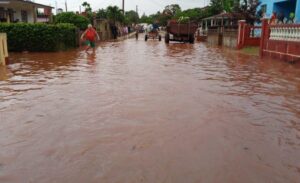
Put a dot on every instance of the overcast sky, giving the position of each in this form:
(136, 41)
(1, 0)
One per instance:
(147, 6)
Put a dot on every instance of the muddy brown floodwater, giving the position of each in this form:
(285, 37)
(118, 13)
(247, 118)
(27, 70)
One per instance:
(147, 112)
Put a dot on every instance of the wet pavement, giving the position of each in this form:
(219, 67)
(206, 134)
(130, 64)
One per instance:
(147, 112)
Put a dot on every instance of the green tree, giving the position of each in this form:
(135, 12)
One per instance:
(168, 13)
(195, 14)
(101, 13)
(131, 17)
(87, 6)
(228, 5)
(69, 17)
(216, 7)
(174, 12)
(163, 18)
(146, 19)
(88, 10)
(172, 9)
(248, 8)
(115, 14)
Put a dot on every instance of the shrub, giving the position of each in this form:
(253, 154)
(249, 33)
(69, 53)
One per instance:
(69, 17)
(39, 37)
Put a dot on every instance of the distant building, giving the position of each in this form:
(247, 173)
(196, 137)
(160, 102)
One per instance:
(103, 28)
(59, 10)
(281, 6)
(24, 11)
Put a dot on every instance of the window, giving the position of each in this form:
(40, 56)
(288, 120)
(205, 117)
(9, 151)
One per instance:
(2, 12)
(264, 8)
(24, 16)
(2, 15)
(11, 14)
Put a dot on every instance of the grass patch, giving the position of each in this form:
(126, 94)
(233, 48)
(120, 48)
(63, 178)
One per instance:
(251, 50)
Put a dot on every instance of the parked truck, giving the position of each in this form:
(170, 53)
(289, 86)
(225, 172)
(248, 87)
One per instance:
(181, 31)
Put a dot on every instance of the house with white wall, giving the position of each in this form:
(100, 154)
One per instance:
(24, 11)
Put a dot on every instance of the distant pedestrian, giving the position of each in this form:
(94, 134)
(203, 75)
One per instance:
(291, 18)
(129, 29)
(273, 18)
(114, 31)
(125, 30)
(137, 29)
(280, 18)
(90, 35)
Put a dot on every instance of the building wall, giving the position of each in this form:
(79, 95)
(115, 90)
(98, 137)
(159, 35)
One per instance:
(17, 14)
(285, 7)
(222, 37)
(230, 38)
(213, 38)
(298, 11)
(103, 28)
(273, 5)
(30, 8)
(29, 14)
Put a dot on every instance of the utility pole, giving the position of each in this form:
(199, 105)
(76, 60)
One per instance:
(136, 9)
(123, 6)
(66, 6)
(56, 7)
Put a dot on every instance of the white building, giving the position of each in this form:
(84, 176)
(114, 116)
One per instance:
(24, 11)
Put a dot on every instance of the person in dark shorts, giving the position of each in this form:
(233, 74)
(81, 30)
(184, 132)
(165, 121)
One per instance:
(273, 18)
(291, 18)
(90, 35)
(280, 18)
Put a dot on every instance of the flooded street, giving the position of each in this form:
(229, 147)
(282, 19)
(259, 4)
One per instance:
(149, 112)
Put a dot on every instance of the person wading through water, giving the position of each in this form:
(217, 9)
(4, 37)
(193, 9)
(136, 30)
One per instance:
(90, 36)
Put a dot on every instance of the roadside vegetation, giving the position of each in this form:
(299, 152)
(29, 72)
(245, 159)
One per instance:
(247, 8)
(79, 21)
(39, 37)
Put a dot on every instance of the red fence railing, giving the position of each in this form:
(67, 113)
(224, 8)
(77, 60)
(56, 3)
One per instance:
(248, 35)
(280, 41)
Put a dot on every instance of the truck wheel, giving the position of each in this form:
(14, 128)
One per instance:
(159, 37)
(167, 38)
(146, 38)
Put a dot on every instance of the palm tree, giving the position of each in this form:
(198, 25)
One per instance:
(115, 14)
(248, 8)
(87, 7)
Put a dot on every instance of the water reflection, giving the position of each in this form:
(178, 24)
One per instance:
(4, 73)
(91, 57)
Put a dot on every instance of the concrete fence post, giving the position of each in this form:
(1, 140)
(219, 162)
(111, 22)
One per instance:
(265, 33)
(3, 49)
(241, 34)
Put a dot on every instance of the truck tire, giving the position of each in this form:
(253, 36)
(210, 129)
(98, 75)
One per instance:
(167, 38)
